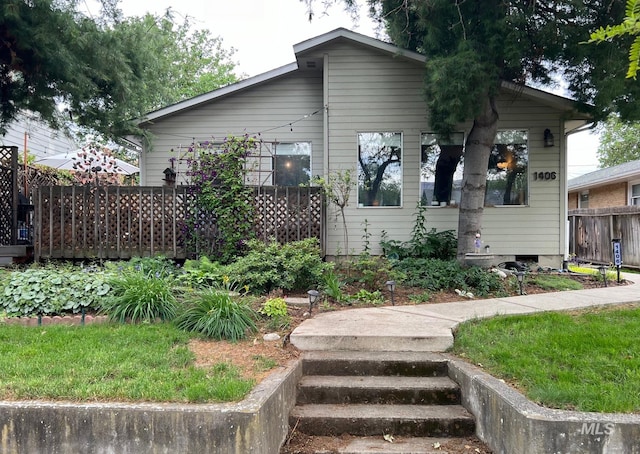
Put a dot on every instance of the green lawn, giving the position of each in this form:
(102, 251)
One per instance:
(587, 361)
(145, 362)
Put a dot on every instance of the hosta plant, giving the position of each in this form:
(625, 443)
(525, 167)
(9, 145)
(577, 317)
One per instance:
(52, 290)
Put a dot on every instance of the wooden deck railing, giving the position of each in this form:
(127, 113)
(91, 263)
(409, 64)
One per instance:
(119, 222)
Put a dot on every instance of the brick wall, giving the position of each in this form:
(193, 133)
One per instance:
(612, 195)
(573, 200)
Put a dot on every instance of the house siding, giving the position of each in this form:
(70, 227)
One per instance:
(370, 91)
(275, 110)
(362, 88)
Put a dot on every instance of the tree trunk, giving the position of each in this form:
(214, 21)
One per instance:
(474, 180)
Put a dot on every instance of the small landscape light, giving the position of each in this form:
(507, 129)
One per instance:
(520, 277)
(391, 286)
(313, 297)
(603, 273)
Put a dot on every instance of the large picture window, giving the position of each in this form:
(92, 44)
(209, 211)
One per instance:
(441, 169)
(507, 175)
(379, 169)
(292, 164)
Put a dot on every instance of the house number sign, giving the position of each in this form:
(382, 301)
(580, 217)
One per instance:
(544, 175)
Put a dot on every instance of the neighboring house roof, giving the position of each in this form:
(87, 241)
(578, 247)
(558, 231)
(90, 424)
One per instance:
(300, 49)
(622, 172)
(42, 140)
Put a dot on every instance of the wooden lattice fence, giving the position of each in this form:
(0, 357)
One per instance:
(119, 222)
(8, 195)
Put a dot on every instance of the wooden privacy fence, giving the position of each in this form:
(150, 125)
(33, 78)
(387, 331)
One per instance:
(592, 230)
(119, 222)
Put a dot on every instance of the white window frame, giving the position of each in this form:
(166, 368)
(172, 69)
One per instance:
(631, 196)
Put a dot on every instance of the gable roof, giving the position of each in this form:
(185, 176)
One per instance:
(308, 45)
(621, 172)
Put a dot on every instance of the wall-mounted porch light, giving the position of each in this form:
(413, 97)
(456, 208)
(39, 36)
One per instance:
(548, 138)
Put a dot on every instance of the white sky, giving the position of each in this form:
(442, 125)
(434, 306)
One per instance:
(263, 33)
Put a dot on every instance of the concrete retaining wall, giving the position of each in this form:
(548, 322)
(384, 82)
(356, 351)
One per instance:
(258, 424)
(509, 423)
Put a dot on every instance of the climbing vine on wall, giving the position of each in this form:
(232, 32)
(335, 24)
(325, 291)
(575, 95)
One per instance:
(222, 218)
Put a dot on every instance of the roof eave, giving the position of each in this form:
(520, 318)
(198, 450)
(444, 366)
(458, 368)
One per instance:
(560, 102)
(338, 33)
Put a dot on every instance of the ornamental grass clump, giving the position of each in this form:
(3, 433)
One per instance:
(218, 313)
(140, 297)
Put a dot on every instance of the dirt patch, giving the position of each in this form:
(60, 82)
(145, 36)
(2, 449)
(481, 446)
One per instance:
(300, 443)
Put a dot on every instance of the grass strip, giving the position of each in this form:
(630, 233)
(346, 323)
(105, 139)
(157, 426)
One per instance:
(145, 362)
(584, 361)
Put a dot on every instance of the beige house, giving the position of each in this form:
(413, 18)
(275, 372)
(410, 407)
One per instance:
(615, 186)
(353, 102)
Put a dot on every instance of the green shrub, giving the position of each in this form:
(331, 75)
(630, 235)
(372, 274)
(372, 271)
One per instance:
(423, 244)
(332, 286)
(432, 274)
(158, 266)
(218, 314)
(275, 309)
(140, 297)
(436, 275)
(292, 266)
(371, 271)
(52, 290)
(366, 297)
(201, 273)
(483, 282)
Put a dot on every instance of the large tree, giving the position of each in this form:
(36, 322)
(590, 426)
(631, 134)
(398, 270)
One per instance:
(619, 142)
(106, 70)
(472, 46)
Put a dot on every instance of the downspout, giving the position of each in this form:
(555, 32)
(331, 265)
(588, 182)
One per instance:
(325, 142)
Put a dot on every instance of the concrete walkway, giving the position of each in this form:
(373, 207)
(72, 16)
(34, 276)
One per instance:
(429, 327)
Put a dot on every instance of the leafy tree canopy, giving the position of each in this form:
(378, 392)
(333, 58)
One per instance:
(629, 26)
(619, 142)
(107, 70)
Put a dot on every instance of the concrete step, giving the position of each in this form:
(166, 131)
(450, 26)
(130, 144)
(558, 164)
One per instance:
(407, 364)
(308, 444)
(370, 420)
(388, 328)
(322, 389)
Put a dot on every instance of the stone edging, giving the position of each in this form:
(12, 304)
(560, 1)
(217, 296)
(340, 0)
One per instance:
(77, 319)
(509, 423)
